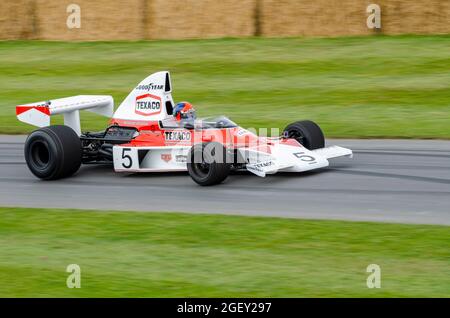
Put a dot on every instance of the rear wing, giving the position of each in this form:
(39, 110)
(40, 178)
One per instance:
(38, 114)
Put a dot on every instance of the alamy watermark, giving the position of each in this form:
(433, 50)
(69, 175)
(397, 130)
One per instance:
(74, 279)
(374, 19)
(74, 19)
(374, 279)
(74, 16)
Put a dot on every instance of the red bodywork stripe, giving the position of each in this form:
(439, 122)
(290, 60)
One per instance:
(42, 109)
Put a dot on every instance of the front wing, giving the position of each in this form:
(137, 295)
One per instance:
(289, 158)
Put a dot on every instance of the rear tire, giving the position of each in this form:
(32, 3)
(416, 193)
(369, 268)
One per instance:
(307, 133)
(53, 152)
(207, 163)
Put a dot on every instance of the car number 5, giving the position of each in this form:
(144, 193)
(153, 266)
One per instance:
(303, 157)
(127, 162)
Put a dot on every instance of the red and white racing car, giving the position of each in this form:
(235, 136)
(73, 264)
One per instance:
(149, 133)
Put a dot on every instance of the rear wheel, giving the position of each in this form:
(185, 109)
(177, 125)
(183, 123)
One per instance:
(207, 163)
(307, 133)
(53, 152)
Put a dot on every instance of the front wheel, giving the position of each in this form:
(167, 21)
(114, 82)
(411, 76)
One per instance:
(53, 152)
(307, 133)
(208, 163)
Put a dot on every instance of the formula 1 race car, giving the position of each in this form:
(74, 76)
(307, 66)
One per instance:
(149, 133)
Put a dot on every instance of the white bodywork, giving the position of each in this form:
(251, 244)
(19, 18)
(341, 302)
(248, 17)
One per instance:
(147, 101)
(150, 159)
(288, 158)
(283, 158)
(38, 114)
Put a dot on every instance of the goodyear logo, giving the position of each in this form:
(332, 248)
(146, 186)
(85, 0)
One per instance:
(149, 87)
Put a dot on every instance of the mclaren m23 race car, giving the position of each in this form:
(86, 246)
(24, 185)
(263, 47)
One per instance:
(149, 133)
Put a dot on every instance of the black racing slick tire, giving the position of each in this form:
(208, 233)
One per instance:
(307, 133)
(53, 152)
(208, 163)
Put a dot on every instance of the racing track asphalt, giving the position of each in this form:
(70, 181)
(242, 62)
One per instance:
(406, 181)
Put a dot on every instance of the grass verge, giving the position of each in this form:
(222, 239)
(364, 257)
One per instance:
(132, 254)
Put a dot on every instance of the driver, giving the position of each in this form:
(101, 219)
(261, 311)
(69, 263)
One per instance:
(184, 112)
